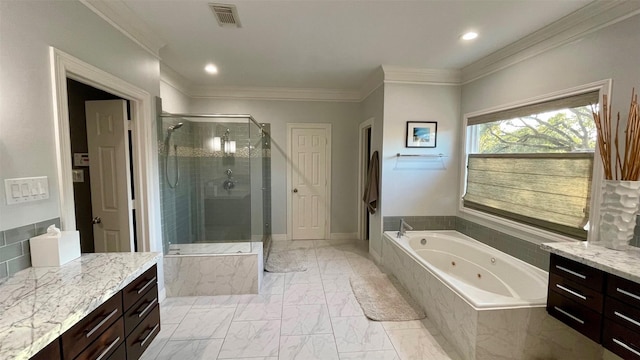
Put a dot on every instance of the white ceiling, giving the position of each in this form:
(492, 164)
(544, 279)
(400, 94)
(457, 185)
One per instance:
(336, 44)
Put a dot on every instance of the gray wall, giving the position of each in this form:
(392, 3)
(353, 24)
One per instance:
(27, 136)
(344, 118)
(373, 107)
(610, 53)
(419, 187)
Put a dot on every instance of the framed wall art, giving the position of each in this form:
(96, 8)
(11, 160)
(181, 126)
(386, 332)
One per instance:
(421, 134)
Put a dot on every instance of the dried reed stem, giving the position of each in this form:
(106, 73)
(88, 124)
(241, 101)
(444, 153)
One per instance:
(627, 166)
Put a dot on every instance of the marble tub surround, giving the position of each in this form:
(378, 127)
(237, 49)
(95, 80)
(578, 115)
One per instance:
(621, 263)
(214, 274)
(37, 305)
(506, 333)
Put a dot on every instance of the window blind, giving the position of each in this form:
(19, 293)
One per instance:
(538, 108)
(550, 191)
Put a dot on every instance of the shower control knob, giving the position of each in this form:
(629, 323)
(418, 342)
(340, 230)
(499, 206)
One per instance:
(96, 220)
(295, 190)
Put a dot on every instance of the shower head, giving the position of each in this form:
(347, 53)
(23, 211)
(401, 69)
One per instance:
(174, 127)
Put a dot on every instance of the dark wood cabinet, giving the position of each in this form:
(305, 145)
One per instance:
(50, 352)
(575, 296)
(89, 329)
(121, 328)
(602, 306)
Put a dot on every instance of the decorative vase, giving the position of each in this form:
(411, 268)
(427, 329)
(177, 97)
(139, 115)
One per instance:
(618, 213)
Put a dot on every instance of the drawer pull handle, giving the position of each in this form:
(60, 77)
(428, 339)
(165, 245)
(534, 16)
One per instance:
(569, 315)
(571, 272)
(626, 346)
(149, 335)
(625, 317)
(106, 318)
(106, 351)
(571, 292)
(628, 293)
(146, 285)
(149, 306)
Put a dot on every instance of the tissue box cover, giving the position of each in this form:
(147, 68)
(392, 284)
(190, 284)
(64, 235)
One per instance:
(54, 250)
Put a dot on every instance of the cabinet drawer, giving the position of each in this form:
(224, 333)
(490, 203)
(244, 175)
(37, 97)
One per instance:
(120, 353)
(50, 352)
(623, 314)
(144, 334)
(106, 344)
(140, 309)
(621, 340)
(579, 317)
(623, 290)
(91, 327)
(576, 292)
(138, 287)
(576, 272)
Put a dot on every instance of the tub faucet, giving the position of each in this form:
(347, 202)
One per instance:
(403, 228)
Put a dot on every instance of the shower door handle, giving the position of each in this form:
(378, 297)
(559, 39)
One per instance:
(295, 190)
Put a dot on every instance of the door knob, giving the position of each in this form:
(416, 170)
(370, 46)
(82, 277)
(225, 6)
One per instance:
(295, 190)
(96, 220)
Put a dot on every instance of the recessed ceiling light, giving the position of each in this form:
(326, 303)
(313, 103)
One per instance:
(469, 36)
(211, 69)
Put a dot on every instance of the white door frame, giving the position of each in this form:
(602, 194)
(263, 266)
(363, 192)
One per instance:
(65, 66)
(327, 130)
(362, 173)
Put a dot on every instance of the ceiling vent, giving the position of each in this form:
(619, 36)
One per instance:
(226, 15)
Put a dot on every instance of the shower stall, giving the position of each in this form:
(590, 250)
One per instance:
(216, 202)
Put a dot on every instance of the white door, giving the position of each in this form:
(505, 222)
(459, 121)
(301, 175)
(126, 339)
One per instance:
(309, 182)
(107, 136)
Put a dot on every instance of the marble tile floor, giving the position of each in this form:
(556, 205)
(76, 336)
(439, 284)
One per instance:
(305, 316)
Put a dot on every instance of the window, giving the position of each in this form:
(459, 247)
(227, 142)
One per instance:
(534, 164)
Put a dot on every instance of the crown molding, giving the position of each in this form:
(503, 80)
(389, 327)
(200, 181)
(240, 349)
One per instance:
(372, 83)
(405, 75)
(180, 83)
(174, 79)
(266, 93)
(590, 18)
(120, 16)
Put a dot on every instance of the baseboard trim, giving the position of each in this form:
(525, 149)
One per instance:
(343, 236)
(278, 237)
(162, 294)
(376, 257)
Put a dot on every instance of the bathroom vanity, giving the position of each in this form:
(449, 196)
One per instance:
(100, 306)
(596, 291)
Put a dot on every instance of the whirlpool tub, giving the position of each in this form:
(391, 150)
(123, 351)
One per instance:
(488, 304)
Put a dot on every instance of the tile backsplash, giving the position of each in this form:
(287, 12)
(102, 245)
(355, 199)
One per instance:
(15, 254)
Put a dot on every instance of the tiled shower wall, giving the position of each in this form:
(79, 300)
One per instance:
(177, 207)
(521, 249)
(193, 211)
(15, 254)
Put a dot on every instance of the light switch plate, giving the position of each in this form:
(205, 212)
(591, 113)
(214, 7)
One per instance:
(21, 190)
(78, 175)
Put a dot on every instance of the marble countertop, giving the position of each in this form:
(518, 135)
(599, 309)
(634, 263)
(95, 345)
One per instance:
(625, 264)
(37, 305)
